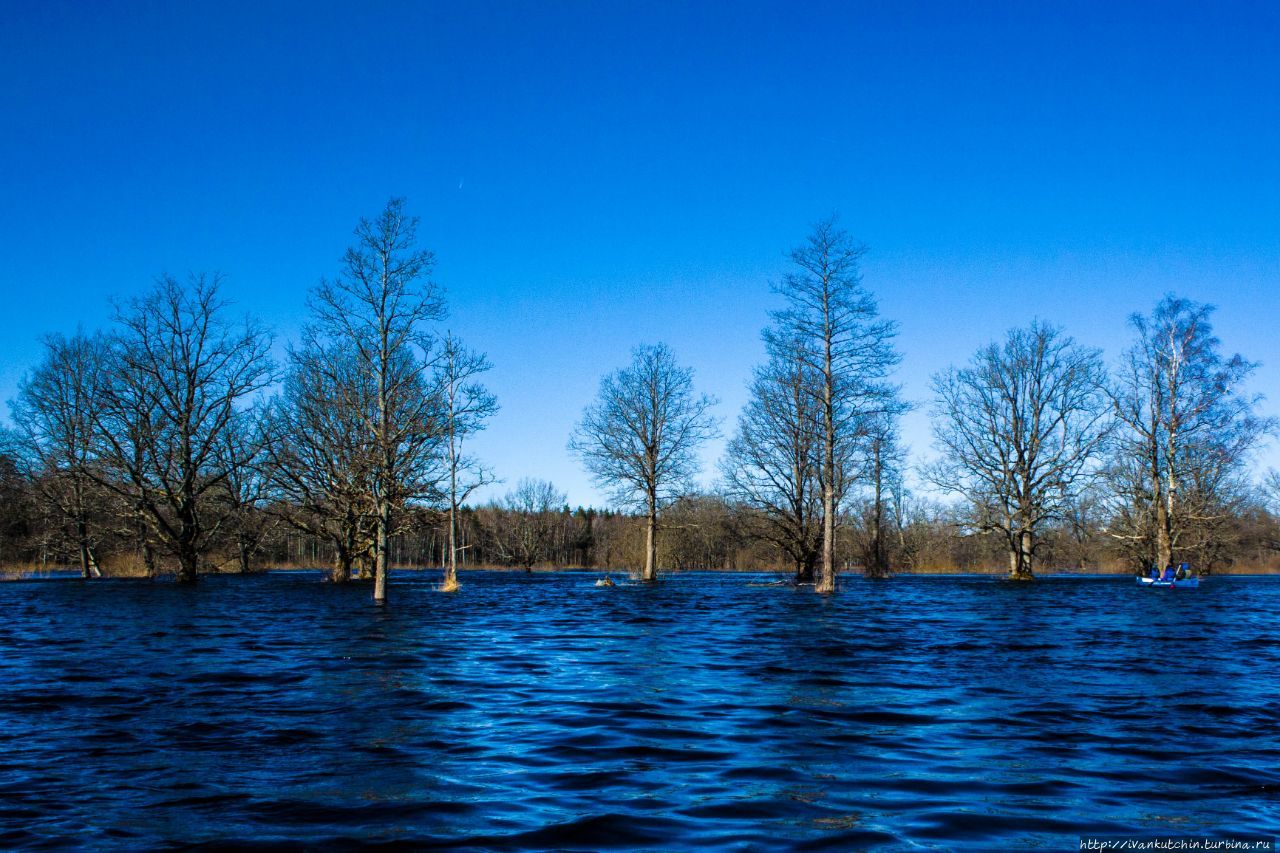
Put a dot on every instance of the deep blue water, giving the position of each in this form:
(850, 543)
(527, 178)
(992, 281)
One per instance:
(541, 712)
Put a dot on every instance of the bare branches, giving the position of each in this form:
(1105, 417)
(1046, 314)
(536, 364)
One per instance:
(639, 439)
(466, 406)
(178, 372)
(1020, 430)
(1187, 431)
(831, 328)
(377, 310)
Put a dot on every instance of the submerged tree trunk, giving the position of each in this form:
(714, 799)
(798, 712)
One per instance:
(1021, 556)
(451, 572)
(381, 547)
(651, 541)
(804, 569)
(86, 558)
(879, 558)
(341, 572)
(188, 566)
(825, 581)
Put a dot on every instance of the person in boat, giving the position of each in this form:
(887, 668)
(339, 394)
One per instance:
(1155, 572)
(1168, 573)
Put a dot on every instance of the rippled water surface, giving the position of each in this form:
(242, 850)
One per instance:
(542, 712)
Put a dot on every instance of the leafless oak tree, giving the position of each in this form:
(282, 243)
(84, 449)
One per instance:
(640, 438)
(1020, 430)
(176, 374)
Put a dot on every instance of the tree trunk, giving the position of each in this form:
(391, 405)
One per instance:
(84, 560)
(1020, 557)
(341, 572)
(879, 560)
(825, 581)
(188, 565)
(651, 542)
(1164, 526)
(451, 572)
(380, 556)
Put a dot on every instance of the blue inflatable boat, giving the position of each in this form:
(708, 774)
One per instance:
(1182, 578)
(1190, 582)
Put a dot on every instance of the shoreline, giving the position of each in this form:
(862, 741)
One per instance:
(69, 573)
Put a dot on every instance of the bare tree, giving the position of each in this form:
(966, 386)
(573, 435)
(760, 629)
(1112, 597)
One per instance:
(532, 515)
(1187, 427)
(177, 372)
(772, 462)
(884, 464)
(1271, 490)
(466, 405)
(318, 450)
(54, 417)
(640, 438)
(849, 353)
(242, 454)
(378, 306)
(1020, 430)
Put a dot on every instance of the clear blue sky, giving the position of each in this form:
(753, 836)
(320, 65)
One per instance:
(596, 175)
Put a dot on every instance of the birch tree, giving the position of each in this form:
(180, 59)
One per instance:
(465, 407)
(1188, 426)
(640, 438)
(1020, 430)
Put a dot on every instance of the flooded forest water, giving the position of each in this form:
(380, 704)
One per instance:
(542, 712)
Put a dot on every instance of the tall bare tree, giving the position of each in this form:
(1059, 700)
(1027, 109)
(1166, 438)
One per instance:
(640, 437)
(465, 406)
(849, 353)
(379, 307)
(177, 372)
(54, 418)
(1188, 427)
(1020, 430)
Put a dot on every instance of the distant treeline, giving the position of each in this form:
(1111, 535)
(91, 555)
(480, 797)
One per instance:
(702, 533)
(172, 443)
